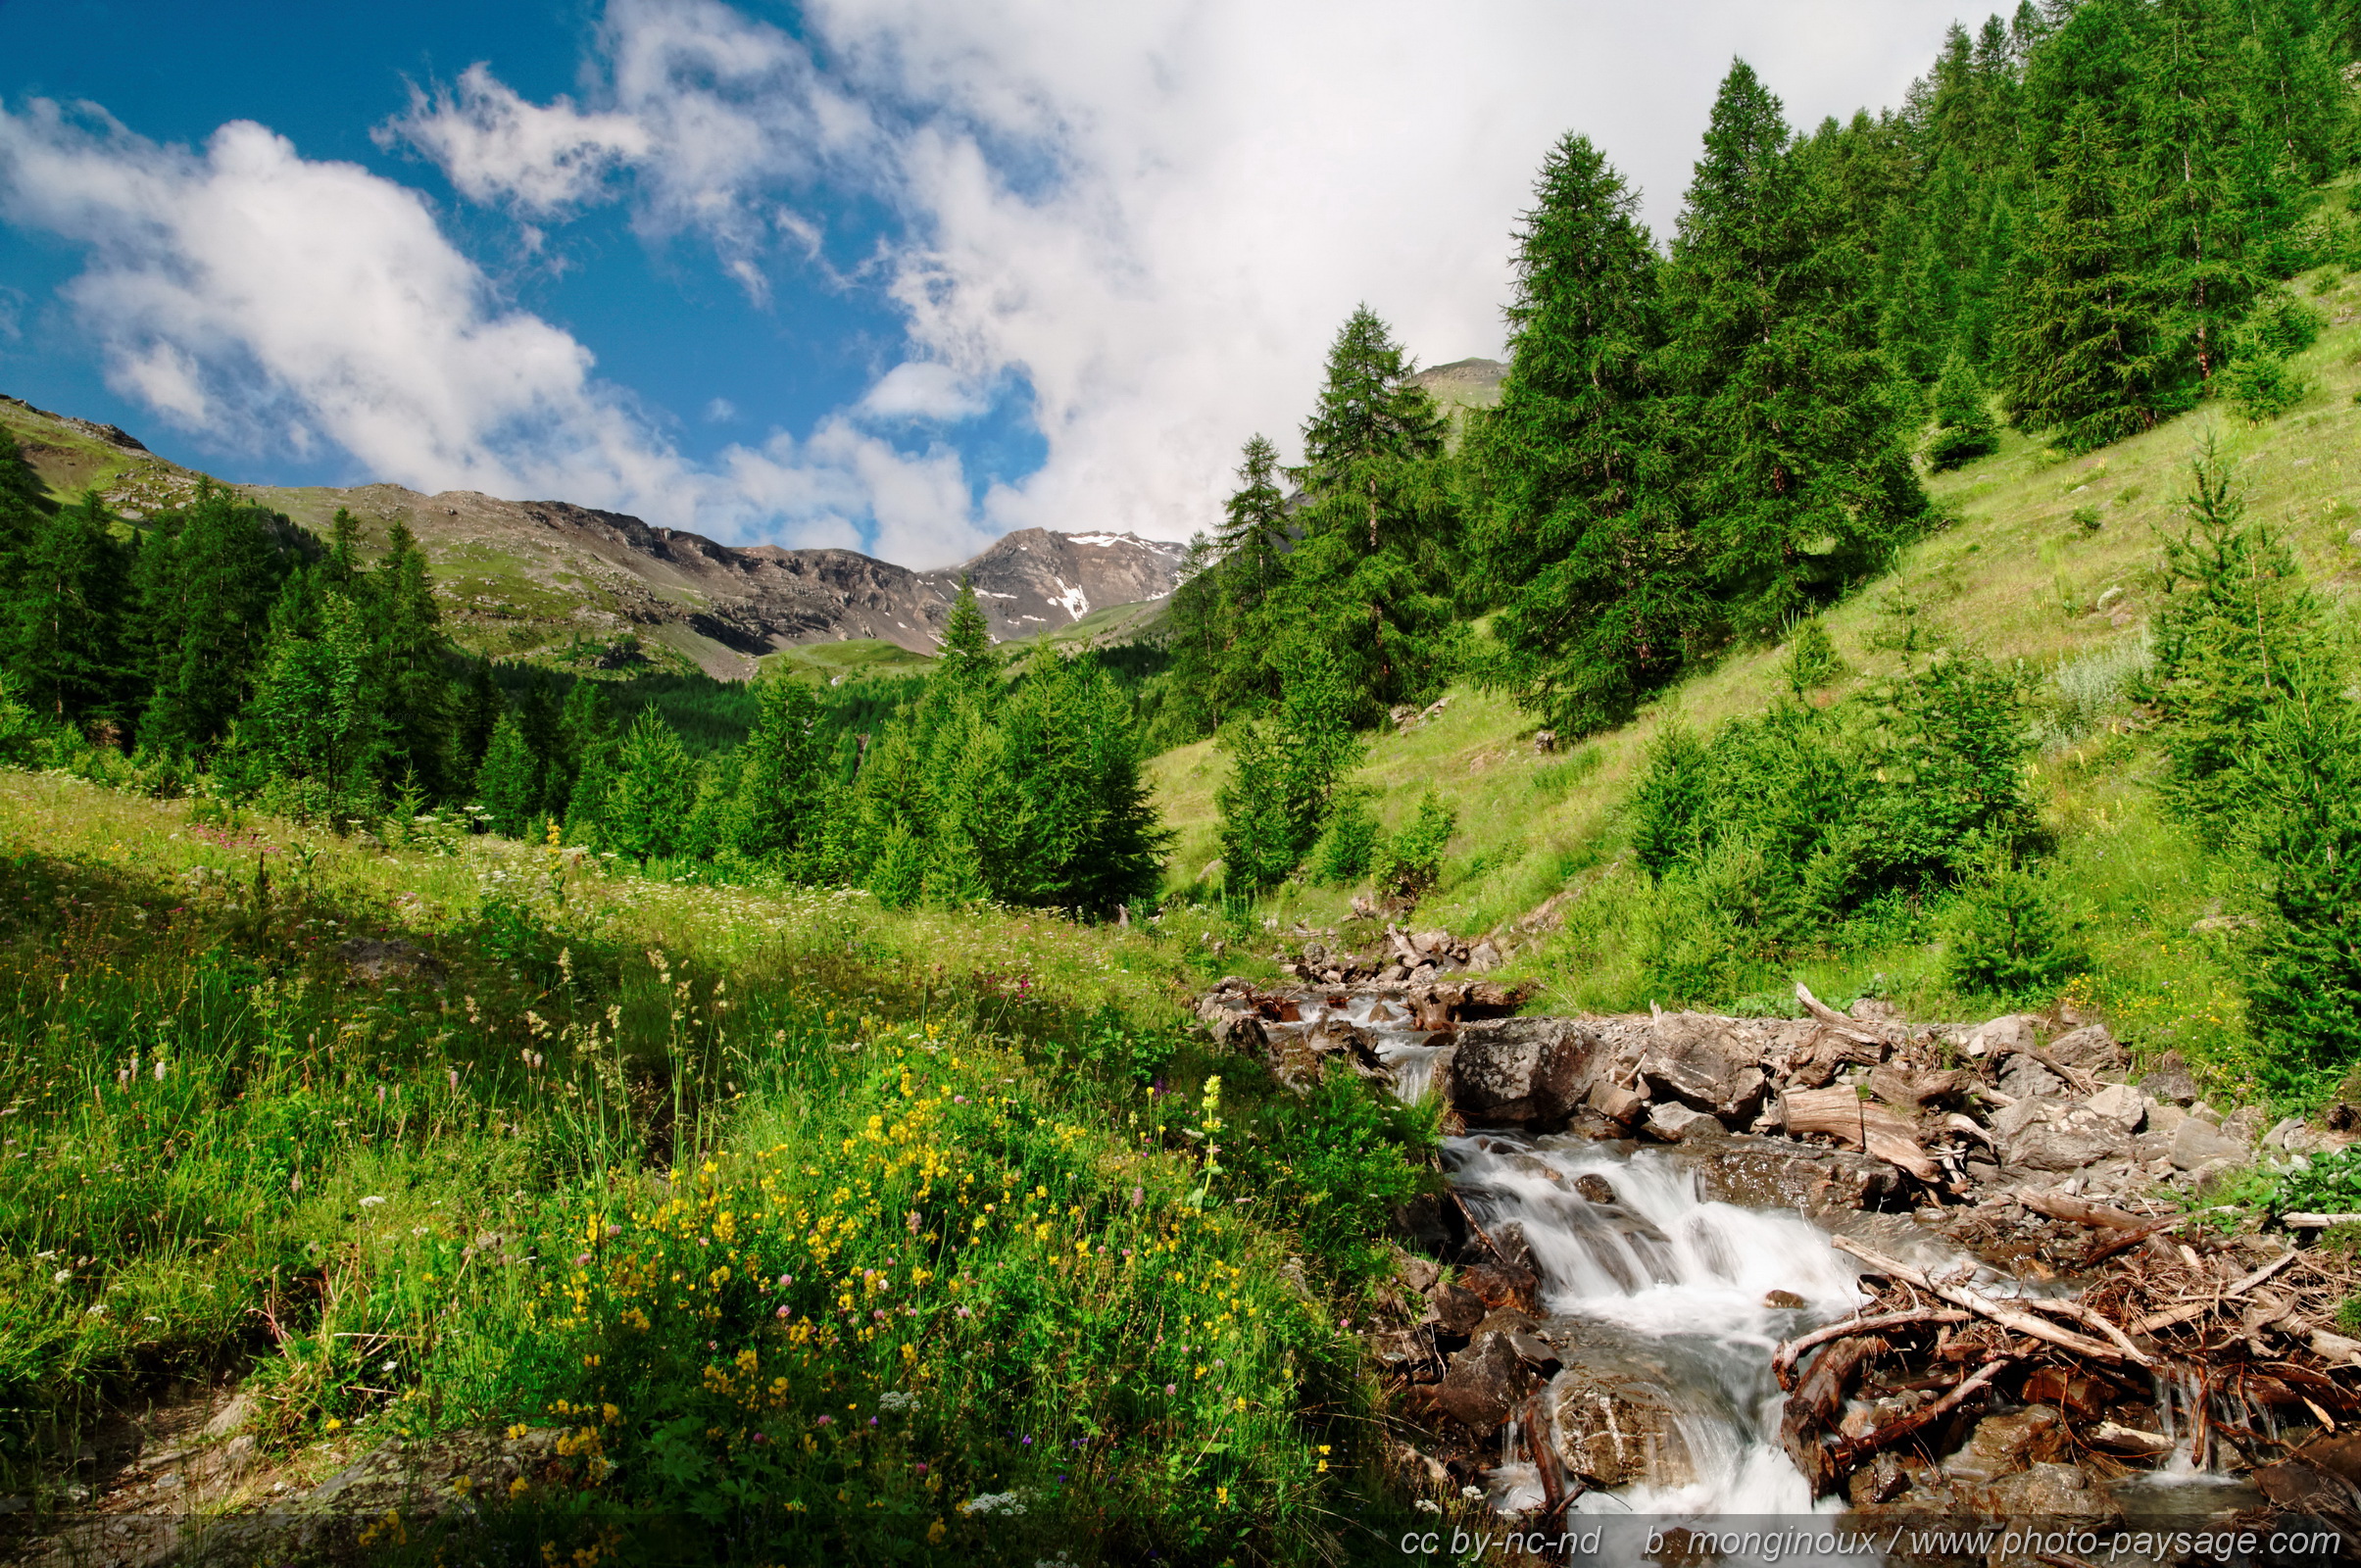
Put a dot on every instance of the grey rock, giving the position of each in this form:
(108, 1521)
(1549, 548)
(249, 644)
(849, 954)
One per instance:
(2090, 1046)
(2008, 1031)
(1522, 1071)
(1672, 1121)
(2061, 1137)
(2122, 1104)
(1483, 1384)
(2196, 1145)
(2028, 1079)
(375, 962)
(2171, 1081)
(1484, 958)
(1781, 1173)
(1613, 1420)
(2246, 1124)
(1702, 1060)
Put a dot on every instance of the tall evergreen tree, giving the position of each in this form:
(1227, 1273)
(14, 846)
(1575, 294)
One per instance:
(206, 602)
(1366, 582)
(785, 791)
(966, 653)
(1964, 425)
(507, 785)
(63, 624)
(1582, 539)
(2088, 357)
(409, 629)
(480, 708)
(23, 501)
(1800, 478)
(654, 791)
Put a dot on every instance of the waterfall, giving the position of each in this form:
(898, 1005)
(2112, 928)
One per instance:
(1690, 1280)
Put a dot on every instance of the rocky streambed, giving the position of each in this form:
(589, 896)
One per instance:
(1690, 1267)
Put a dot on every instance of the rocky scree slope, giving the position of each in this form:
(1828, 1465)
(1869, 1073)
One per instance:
(524, 578)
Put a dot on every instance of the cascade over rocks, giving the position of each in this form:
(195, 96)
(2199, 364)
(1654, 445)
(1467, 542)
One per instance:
(1955, 1164)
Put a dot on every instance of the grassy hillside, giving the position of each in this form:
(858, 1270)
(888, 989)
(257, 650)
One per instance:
(2047, 561)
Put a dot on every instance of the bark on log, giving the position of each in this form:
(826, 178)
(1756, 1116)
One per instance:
(1845, 1454)
(2076, 1211)
(1843, 1114)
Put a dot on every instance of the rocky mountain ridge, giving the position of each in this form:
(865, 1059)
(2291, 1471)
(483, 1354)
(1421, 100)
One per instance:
(520, 578)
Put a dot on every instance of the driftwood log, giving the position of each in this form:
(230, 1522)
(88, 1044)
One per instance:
(1843, 1114)
(2114, 1349)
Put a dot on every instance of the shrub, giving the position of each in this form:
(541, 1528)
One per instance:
(2264, 387)
(1348, 843)
(1813, 662)
(2007, 940)
(1410, 862)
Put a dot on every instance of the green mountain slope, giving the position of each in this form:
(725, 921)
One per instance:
(2048, 561)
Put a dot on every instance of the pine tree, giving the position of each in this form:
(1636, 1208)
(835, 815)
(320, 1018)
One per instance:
(1091, 840)
(480, 708)
(65, 618)
(408, 625)
(23, 501)
(1801, 479)
(966, 653)
(1253, 537)
(654, 791)
(785, 788)
(1285, 775)
(317, 716)
(1582, 539)
(1365, 583)
(508, 786)
(1963, 425)
(570, 742)
(206, 602)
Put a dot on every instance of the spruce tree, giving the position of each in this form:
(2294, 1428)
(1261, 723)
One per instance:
(508, 786)
(654, 791)
(23, 501)
(206, 605)
(410, 647)
(480, 708)
(64, 621)
(966, 653)
(2089, 358)
(1254, 537)
(317, 716)
(1963, 425)
(1366, 583)
(1091, 840)
(785, 788)
(1582, 539)
(1801, 481)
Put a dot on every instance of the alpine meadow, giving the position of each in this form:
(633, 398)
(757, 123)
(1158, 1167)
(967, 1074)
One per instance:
(1754, 909)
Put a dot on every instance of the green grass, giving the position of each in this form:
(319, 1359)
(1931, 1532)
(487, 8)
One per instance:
(777, 1211)
(828, 663)
(2015, 574)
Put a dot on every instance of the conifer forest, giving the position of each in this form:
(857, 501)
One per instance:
(1782, 882)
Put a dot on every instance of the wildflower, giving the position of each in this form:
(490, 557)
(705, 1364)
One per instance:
(1171, 1388)
(371, 1202)
(1471, 1493)
(1429, 1505)
(782, 1314)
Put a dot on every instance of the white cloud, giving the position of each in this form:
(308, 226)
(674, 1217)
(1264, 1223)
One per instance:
(261, 298)
(715, 111)
(1158, 213)
(494, 146)
(920, 390)
(720, 411)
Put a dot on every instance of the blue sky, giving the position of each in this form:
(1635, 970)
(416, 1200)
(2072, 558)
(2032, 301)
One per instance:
(898, 275)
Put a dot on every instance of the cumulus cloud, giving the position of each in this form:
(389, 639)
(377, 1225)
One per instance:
(268, 301)
(716, 112)
(1158, 213)
(920, 390)
(1152, 216)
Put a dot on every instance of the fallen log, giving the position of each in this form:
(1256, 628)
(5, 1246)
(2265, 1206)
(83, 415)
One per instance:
(1803, 1423)
(2230, 1292)
(1843, 1115)
(2130, 1439)
(1849, 1028)
(1783, 1363)
(2008, 1317)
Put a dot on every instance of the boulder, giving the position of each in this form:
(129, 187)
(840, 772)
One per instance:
(2004, 1444)
(2195, 1143)
(2024, 1078)
(1702, 1060)
(2121, 1103)
(1483, 1384)
(2090, 1046)
(1521, 1071)
(1484, 958)
(1616, 1104)
(2171, 1081)
(1671, 1121)
(2051, 1135)
(2006, 1033)
(2246, 1124)
(1455, 1309)
(374, 962)
(1779, 1173)
(1612, 1417)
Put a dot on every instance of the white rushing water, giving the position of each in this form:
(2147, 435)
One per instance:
(1692, 1279)
(1689, 1278)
